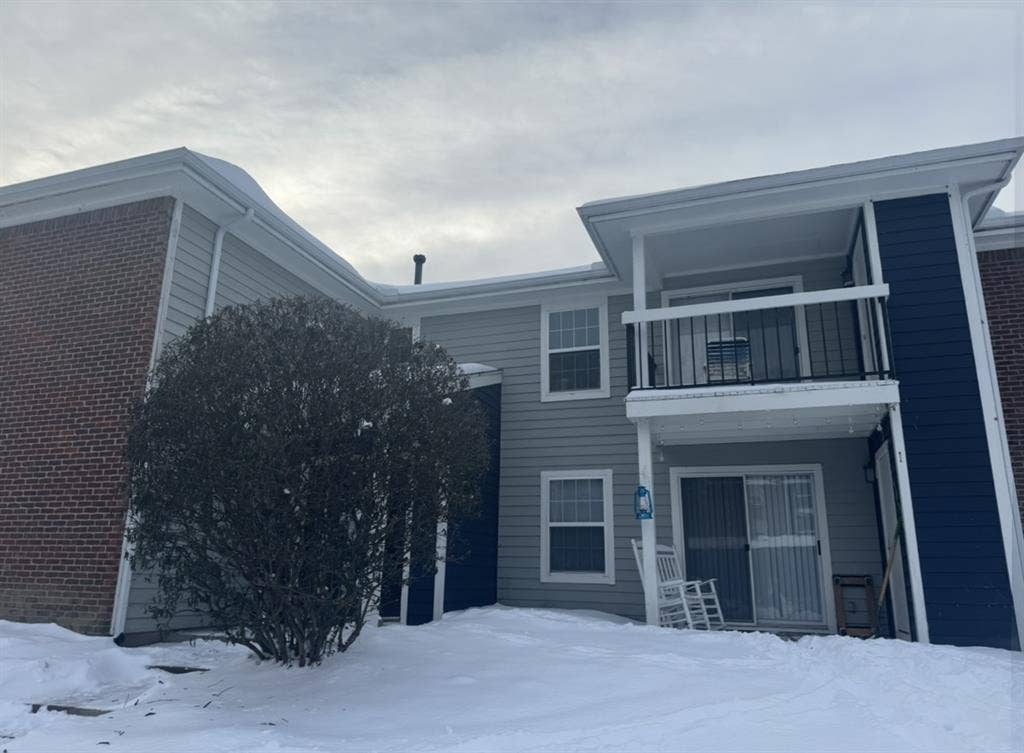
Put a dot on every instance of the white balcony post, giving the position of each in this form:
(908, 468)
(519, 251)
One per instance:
(875, 265)
(909, 523)
(648, 535)
(640, 304)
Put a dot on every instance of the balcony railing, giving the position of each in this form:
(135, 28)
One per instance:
(839, 334)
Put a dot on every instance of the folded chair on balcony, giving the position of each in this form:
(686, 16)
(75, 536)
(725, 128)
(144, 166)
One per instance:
(681, 603)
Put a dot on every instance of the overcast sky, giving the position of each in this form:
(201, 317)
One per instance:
(471, 132)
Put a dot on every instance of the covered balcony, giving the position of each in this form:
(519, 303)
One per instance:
(787, 336)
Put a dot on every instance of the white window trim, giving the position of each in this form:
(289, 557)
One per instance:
(545, 378)
(546, 576)
(797, 283)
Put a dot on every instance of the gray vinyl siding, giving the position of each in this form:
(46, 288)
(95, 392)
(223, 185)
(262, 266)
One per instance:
(594, 434)
(245, 276)
(591, 434)
(190, 275)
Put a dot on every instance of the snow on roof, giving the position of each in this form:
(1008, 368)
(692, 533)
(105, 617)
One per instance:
(241, 180)
(248, 185)
(595, 269)
(997, 218)
(476, 368)
(802, 177)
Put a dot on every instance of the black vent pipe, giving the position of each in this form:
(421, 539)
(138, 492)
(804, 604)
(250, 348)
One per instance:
(419, 260)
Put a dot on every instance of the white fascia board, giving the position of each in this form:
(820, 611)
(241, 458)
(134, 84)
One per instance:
(410, 296)
(915, 162)
(690, 401)
(485, 379)
(609, 223)
(92, 177)
(505, 299)
(182, 175)
(1004, 233)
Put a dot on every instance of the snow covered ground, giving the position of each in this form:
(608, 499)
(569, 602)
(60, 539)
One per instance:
(501, 679)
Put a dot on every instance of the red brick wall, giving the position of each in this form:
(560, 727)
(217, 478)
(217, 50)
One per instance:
(78, 305)
(1002, 278)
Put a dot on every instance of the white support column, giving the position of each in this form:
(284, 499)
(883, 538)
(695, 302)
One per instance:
(403, 601)
(875, 265)
(640, 305)
(902, 474)
(648, 535)
(442, 563)
(991, 403)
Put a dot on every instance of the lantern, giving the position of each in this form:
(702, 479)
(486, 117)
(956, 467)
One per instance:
(643, 504)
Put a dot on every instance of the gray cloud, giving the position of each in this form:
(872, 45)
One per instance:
(470, 132)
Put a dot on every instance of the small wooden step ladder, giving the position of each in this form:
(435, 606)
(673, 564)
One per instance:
(841, 584)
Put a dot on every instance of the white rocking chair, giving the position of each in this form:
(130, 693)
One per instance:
(681, 603)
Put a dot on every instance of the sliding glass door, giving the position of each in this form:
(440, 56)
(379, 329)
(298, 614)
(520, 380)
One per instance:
(758, 534)
(715, 528)
(784, 549)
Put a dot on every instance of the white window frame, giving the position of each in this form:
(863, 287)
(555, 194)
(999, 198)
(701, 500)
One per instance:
(546, 395)
(546, 576)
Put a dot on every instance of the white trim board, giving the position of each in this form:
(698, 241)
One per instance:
(122, 589)
(742, 398)
(992, 407)
(741, 305)
(676, 473)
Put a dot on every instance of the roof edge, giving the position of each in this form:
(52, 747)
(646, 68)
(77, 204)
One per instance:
(1010, 148)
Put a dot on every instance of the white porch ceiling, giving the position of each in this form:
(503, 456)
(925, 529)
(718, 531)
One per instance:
(753, 242)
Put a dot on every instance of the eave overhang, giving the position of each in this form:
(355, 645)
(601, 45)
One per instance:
(613, 223)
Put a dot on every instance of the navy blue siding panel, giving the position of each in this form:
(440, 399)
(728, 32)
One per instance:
(471, 574)
(421, 600)
(471, 577)
(966, 587)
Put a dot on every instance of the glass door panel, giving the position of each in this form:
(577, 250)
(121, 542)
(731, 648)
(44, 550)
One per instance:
(715, 540)
(784, 549)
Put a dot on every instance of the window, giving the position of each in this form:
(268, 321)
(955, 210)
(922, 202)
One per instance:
(577, 544)
(574, 352)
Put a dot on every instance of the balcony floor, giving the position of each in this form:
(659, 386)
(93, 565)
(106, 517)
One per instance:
(748, 413)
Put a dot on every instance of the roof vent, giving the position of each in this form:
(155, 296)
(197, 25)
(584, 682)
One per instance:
(419, 260)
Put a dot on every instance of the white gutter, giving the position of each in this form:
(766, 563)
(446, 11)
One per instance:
(218, 245)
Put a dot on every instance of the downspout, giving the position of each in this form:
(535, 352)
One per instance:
(1013, 537)
(218, 246)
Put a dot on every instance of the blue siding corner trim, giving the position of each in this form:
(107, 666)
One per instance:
(966, 584)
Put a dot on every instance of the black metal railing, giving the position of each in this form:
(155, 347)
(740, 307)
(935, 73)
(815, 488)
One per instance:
(818, 341)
